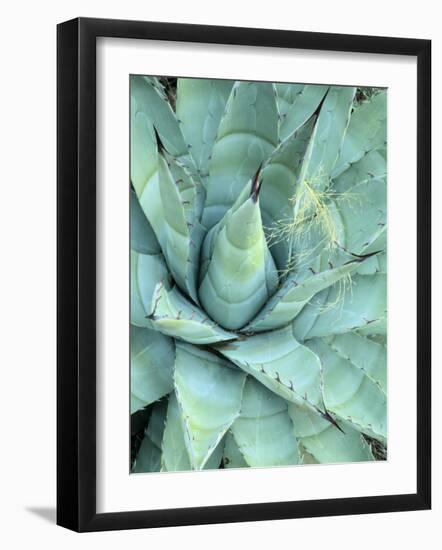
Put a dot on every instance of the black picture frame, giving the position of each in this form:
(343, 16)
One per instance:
(76, 274)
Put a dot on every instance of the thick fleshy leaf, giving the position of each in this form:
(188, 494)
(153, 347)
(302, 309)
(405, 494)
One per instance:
(216, 457)
(367, 355)
(232, 457)
(241, 274)
(144, 171)
(322, 151)
(375, 264)
(148, 458)
(305, 457)
(294, 294)
(360, 306)
(324, 441)
(136, 405)
(286, 95)
(279, 362)
(378, 242)
(157, 84)
(180, 239)
(209, 393)
(247, 134)
(363, 213)
(207, 251)
(175, 457)
(377, 327)
(313, 207)
(372, 165)
(350, 393)
(143, 152)
(312, 237)
(191, 192)
(142, 237)
(157, 422)
(264, 431)
(199, 106)
(158, 183)
(378, 339)
(279, 178)
(174, 452)
(146, 271)
(304, 105)
(149, 109)
(150, 106)
(366, 131)
(175, 315)
(339, 227)
(152, 356)
(210, 238)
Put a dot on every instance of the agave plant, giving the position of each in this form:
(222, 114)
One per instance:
(258, 274)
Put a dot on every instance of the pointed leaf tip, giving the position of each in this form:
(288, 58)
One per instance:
(160, 145)
(256, 184)
(327, 416)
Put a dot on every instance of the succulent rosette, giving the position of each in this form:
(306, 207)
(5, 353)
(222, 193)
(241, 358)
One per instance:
(258, 274)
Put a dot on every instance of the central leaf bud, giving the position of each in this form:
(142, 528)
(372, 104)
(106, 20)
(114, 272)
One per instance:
(240, 273)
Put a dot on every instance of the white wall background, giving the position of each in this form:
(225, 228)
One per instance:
(27, 289)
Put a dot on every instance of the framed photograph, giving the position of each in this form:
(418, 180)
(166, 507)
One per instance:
(243, 274)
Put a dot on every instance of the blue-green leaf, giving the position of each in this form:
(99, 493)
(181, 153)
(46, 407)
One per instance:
(372, 165)
(143, 152)
(303, 106)
(363, 213)
(151, 366)
(264, 432)
(175, 315)
(148, 458)
(281, 363)
(136, 404)
(150, 106)
(179, 237)
(350, 393)
(324, 441)
(142, 237)
(286, 95)
(247, 134)
(232, 457)
(146, 271)
(241, 274)
(209, 393)
(158, 182)
(279, 179)
(174, 452)
(157, 422)
(331, 127)
(367, 355)
(359, 306)
(200, 104)
(374, 264)
(294, 294)
(366, 131)
(175, 457)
